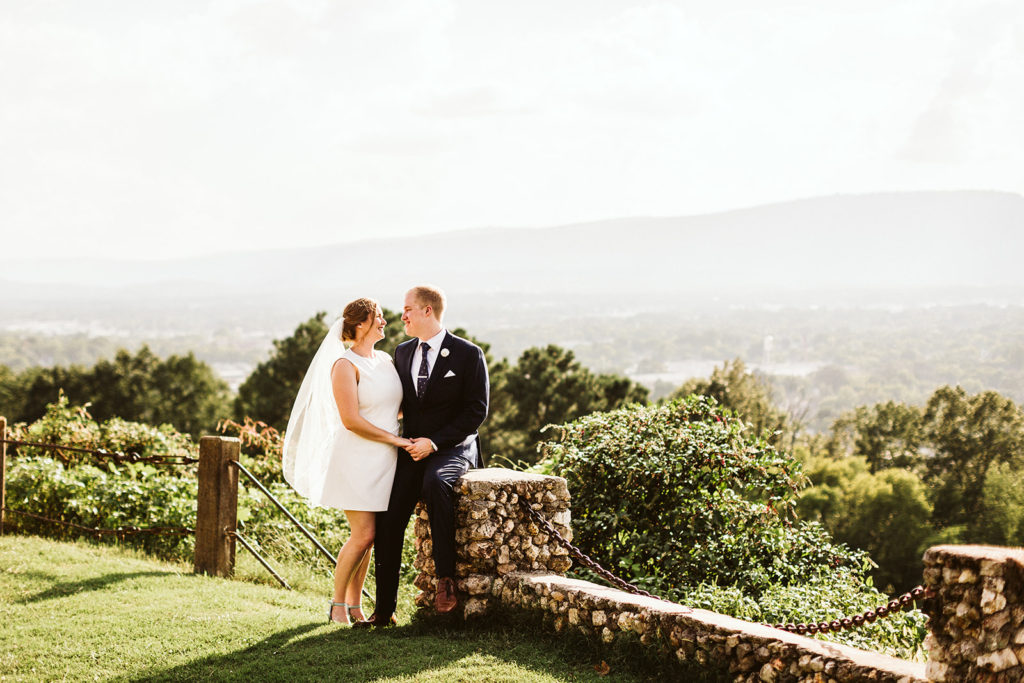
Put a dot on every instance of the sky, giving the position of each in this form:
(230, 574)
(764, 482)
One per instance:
(142, 130)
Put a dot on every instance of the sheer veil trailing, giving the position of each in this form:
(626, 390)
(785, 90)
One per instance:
(313, 421)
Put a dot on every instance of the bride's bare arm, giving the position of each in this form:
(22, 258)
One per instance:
(344, 384)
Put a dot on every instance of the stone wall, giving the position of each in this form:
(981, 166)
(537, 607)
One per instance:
(504, 560)
(493, 536)
(976, 620)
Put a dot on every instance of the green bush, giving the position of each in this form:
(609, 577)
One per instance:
(70, 425)
(683, 495)
(79, 489)
(108, 497)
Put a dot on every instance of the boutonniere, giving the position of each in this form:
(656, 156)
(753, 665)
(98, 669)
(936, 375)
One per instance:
(444, 353)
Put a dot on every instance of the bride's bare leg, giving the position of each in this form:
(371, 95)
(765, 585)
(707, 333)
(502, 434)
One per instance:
(352, 555)
(354, 592)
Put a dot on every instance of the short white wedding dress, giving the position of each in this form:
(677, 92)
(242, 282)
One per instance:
(327, 463)
(359, 472)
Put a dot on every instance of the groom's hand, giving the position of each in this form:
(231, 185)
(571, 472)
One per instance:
(421, 447)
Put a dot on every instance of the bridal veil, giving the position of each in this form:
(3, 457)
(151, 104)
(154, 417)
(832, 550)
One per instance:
(313, 421)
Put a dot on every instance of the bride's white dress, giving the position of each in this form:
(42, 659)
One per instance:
(358, 473)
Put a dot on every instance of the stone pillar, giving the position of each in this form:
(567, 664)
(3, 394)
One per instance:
(976, 620)
(493, 536)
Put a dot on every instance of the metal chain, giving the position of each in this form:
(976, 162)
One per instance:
(108, 455)
(120, 531)
(895, 605)
(583, 558)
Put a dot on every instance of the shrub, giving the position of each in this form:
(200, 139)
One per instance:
(70, 425)
(108, 497)
(79, 489)
(683, 495)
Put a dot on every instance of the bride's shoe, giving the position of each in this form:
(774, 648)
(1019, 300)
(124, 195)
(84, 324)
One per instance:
(330, 612)
(352, 617)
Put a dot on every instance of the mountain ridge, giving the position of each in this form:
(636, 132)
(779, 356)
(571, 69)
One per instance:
(933, 239)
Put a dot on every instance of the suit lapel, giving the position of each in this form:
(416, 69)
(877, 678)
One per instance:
(403, 358)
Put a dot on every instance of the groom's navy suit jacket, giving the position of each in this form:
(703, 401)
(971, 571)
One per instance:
(454, 403)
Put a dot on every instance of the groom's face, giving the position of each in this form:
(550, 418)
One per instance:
(415, 315)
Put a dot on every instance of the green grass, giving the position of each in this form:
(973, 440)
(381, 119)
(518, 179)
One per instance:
(79, 611)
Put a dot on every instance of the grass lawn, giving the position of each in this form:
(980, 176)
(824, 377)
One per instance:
(79, 611)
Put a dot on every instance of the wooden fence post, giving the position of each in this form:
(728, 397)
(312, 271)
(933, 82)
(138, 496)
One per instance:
(3, 471)
(217, 506)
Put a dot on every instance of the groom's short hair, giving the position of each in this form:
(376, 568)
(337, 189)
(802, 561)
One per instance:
(430, 296)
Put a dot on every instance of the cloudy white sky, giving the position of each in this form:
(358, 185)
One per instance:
(156, 129)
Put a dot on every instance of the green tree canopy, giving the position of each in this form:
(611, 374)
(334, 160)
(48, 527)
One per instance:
(179, 390)
(887, 434)
(548, 386)
(269, 391)
(967, 435)
(886, 513)
(736, 388)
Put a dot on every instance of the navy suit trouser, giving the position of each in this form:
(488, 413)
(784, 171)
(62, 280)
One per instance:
(431, 480)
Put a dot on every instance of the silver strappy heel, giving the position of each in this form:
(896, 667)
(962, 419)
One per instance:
(330, 611)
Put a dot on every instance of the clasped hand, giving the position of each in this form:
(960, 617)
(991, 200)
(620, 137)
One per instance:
(418, 448)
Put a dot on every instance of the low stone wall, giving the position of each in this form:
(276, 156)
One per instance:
(748, 652)
(505, 560)
(976, 620)
(493, 536)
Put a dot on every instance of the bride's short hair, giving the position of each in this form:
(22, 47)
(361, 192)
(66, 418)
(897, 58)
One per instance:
(356, 312)
(431, 296)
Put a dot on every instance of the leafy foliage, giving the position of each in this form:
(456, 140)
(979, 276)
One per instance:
(70, 425)
(887, 435)
(178, 390)
(548, 385)
(968, 434)
(886, 513)
(268, 393)
(733, 386)
(78, 489)
(683, 496)
(677, 495)
(105, 498)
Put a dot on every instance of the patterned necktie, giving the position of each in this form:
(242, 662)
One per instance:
(424, 375)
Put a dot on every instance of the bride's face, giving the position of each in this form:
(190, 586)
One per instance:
(374, 326)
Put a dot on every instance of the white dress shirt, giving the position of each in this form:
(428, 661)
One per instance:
(435, 348)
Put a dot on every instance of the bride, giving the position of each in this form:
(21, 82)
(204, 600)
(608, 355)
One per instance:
(340, 447)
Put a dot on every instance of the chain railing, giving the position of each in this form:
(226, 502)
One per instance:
(895, 605)
(103, 454)
(582, 557)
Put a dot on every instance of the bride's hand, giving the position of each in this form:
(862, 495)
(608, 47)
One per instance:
(403, 443)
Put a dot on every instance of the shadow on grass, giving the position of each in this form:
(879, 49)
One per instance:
(62, 589)
(503, 648)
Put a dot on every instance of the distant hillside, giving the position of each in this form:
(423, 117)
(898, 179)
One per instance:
(937, 239)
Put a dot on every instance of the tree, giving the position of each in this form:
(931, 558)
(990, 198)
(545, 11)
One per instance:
(1001, 520)
(886, 434)
(548, 386)
(179, 390)
(885, 513)
(968, 434)
(269, 391)
(737, 389)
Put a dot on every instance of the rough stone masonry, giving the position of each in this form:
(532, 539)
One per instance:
(504, 559)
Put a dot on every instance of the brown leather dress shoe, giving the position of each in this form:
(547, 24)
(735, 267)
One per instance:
(445, 600)
(376, 621)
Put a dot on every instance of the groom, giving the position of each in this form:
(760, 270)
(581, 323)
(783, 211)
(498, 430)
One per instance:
(445, 395)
